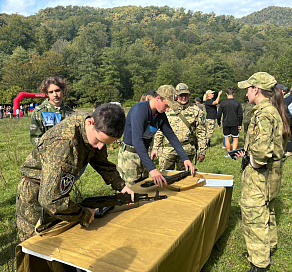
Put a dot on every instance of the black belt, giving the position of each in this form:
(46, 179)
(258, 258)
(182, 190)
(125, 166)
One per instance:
(128, 148)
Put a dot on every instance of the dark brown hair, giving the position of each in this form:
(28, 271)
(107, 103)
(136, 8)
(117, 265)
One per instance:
(110, 119)
(58, 81)
(277, 100)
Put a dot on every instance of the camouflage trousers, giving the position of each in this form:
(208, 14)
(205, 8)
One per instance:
(169, 159)
(28, 209)
(130, 166)
(210, 124)
(258, 216)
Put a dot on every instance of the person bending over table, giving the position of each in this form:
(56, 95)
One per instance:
(50, 172)
(143, 121)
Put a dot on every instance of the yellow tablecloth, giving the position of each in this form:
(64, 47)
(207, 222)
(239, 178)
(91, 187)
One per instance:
(173, 234)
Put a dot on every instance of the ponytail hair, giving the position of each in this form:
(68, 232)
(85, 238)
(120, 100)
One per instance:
(277, 99)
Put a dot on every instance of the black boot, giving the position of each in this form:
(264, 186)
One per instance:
(256, 269)
(246, 255)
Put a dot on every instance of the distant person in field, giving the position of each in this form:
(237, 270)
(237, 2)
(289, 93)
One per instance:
(51, 111)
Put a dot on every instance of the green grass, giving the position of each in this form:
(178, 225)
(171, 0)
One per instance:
(15, 146)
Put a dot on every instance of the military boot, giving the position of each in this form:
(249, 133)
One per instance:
(256, 269)
(246, 255)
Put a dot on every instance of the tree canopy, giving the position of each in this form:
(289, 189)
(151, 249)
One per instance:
(119, 53)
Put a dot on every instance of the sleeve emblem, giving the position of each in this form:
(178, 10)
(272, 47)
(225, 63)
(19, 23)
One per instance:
(66, 183)
(256, 129)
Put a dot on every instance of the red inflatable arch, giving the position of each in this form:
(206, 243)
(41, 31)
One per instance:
(17, 99)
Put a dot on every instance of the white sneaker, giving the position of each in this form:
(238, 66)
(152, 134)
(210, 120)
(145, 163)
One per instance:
(227, 156)
(223, 146)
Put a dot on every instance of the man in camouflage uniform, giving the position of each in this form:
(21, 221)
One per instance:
(143, 121)
(51, 111)
(51, 170)
(194, 123)
(261, 178)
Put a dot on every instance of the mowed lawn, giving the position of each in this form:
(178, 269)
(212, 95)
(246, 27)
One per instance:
(226, 256)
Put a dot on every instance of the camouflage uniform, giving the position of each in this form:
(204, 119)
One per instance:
(51, 170)
(210, 124)
(44, 117)
(168, 157)
(260, 186)
(246, 117)
(130, 166)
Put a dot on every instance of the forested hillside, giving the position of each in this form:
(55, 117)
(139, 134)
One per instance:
(277, 16)
(117, 54)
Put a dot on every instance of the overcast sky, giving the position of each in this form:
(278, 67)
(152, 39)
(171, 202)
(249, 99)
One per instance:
(225, 7)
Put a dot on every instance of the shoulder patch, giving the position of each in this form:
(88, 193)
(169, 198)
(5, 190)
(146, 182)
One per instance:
(66, 183)
(256, 129)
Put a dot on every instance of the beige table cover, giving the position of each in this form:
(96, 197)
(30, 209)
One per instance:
(174, 234)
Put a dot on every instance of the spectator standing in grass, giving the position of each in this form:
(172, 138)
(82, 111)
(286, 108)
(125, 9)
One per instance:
(231, 110)
(211, 110)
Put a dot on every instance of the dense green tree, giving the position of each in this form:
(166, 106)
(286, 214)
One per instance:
(119, 53)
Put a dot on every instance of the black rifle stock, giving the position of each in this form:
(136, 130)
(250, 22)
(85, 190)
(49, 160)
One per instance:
(170, 179)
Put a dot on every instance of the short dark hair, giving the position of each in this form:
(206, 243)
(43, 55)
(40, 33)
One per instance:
(151, 92)
(230, 90)
(110, 119)
(198, 99)
(58, 81)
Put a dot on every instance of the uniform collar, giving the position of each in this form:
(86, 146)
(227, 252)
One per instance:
(83, 131)
(265, 102)
(53, 106)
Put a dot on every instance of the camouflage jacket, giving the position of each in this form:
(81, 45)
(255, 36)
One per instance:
(59, 160)
(264, 139)
(44, 117)
(246, 109)
(195, 117)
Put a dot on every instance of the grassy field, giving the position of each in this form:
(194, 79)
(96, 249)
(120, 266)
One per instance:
(15, 146)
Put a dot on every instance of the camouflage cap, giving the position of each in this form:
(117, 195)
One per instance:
(169, 93)
(182, 88)
(261, 80)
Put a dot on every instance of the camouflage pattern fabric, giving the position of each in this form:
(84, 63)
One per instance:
(168, 157)
(261, 80)
(50, 173)
(210, 124)
(260, 186)
(130, 166)
(246, 117)
(38, 125)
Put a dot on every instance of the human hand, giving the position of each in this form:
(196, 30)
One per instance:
(240, 153)
(154, 153)
(127, 190)
(201, 158)
(157, 178)
(189, 166)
